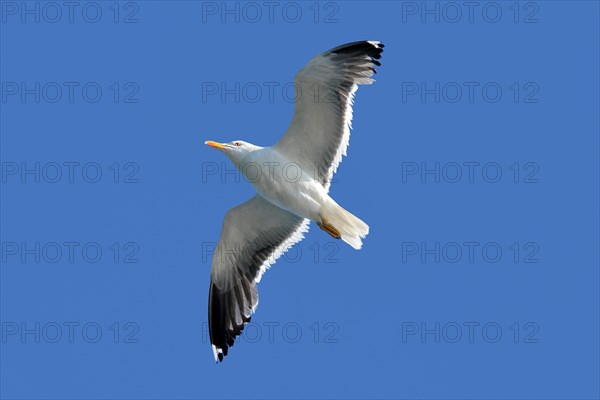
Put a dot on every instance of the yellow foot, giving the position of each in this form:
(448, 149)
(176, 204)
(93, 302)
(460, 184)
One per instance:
(327, 227)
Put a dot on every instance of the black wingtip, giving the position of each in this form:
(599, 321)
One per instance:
(371, 48)
(223, 330)
(358, 50)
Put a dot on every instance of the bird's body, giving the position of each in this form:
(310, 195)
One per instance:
(284, 183)
(292, 180)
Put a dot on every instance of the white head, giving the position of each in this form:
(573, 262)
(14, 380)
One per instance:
(235, 150)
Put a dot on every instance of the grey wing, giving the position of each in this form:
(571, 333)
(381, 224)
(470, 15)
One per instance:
(253, 236)
(320, 129)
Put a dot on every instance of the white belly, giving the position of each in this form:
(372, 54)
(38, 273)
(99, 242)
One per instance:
(284, 183)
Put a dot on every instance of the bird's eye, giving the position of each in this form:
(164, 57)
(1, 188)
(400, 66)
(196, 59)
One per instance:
(237, 143)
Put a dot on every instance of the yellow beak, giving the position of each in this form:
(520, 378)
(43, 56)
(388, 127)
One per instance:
(216, 145)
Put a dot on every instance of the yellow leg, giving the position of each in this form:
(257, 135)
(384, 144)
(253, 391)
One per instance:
(327, 227)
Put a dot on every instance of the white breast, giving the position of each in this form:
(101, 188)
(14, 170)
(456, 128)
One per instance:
(284, 182)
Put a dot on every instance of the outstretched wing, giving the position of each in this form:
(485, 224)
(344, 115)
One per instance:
(320, 129)
(254, 235)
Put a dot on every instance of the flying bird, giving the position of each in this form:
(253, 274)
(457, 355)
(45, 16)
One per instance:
(292, 180)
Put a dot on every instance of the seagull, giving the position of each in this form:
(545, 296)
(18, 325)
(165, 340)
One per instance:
(292, 180)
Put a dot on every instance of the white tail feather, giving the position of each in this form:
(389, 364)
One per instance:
(350, 227)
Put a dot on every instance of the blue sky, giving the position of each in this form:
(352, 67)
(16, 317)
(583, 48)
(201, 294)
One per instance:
(473, 158)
